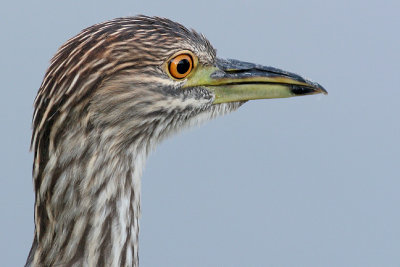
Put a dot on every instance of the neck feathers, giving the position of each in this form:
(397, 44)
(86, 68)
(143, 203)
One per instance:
(87, 204)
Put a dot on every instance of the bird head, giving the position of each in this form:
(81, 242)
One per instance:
(110, 93)
(143, 77)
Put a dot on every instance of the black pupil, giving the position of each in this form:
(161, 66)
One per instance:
(183, 66)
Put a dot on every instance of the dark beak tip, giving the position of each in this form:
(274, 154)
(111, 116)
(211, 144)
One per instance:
(319, 89)
(308, 90)
(323, 90)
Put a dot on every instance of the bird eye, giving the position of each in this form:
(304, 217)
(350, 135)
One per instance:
(180, 66)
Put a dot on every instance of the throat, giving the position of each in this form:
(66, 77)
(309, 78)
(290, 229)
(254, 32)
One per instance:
(88, 214)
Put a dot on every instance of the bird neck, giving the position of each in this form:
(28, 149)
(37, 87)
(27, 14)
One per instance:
(88, 205)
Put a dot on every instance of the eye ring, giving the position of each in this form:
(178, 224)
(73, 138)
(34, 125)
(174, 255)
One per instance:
(180, 65)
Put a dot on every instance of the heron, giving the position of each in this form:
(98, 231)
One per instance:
(109, 96)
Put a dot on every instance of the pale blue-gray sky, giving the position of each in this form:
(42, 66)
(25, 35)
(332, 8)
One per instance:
(308, 181)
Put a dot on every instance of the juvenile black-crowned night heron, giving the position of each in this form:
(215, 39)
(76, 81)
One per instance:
(110, 94)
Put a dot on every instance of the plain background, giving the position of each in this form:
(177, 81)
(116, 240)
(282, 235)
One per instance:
(307, 181)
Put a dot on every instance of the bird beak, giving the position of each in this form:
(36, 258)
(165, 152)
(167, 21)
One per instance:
(233, 80)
